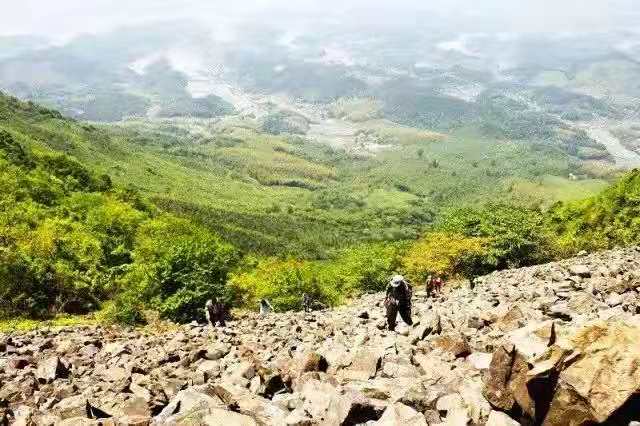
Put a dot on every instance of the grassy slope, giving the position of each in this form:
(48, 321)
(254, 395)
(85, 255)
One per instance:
(606, 220)
(281, 195)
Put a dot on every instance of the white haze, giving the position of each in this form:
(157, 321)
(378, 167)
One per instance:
(63, 19)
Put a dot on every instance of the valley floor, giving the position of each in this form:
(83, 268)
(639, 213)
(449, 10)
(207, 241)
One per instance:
(468, 359)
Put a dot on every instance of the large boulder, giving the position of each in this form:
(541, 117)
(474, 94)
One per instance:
(454, 344)
(533, 339)
(582, 271)
(327, 405)
(50, 369)
(364, 365)
(511, 320)
(193, 404)
(432, 366)
(228, 418)
(506, 380)
(597, 375)
(308, 362)
(498, 418)
(73, 406)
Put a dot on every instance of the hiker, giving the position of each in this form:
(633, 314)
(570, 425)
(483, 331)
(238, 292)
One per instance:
(398, 300)
(429, 286)
(7, 416)
(215, 312)
(265, 307)
(306, 302)
(309, 304)
(437, 284)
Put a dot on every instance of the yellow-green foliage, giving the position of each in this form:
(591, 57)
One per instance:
(354, 270)
(266, 193)
(69, 241)
(443, 254)
(362, 268)
(282, 282)
(176, 267)
(26, 324)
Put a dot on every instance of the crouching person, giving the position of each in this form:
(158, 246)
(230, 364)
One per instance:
(307, 302)
(216, 312)
(265, 307)
(398, 300)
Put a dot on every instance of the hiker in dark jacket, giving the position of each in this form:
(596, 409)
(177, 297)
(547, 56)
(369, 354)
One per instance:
(307, 302)
(310, 305)
(265, 307)
(398, 300)
(215, 312)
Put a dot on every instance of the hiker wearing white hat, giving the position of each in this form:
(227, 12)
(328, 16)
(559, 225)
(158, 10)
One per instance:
(398, 300)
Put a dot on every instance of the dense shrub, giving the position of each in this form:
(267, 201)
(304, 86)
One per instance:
(13, 151)
(354, 270)
(516, 234)
(282, 282)
(604, 221)
(177, 267)
(68, 243)
(364, 268)
(446, 255)
(54, 256)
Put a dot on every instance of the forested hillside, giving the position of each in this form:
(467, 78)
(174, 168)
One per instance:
(609, 219)
(287, 195)
(70, 239)
(88, 218)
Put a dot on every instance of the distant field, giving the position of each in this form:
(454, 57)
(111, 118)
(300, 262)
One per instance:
(549, 189)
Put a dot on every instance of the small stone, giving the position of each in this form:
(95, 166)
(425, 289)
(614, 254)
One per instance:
(614, 299)
(479, 360)
(580, 270)
(498, 418)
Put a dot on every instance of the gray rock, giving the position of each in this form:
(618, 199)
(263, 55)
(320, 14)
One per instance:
(479, 360)
(400, 414)
(498, 418)
(364, 365)
(50, 369)
(614, 299)
(219, 416)
(580, 270)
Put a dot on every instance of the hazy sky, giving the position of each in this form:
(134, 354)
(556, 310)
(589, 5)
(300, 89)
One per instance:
(63, 18)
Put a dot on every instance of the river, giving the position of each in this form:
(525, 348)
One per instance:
(623, 157)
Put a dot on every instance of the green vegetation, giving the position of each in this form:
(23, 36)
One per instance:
(287, 196)
(176, 266)
(240, 215)
(356, 109)
(69, 240)
(27, 324)
(445, 255)
(514, 235)
(350, 271)
(279, 122)
(609, 219)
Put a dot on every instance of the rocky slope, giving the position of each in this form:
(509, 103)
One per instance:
(555, 344)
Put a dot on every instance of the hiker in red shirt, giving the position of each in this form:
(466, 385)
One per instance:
(437, 284)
